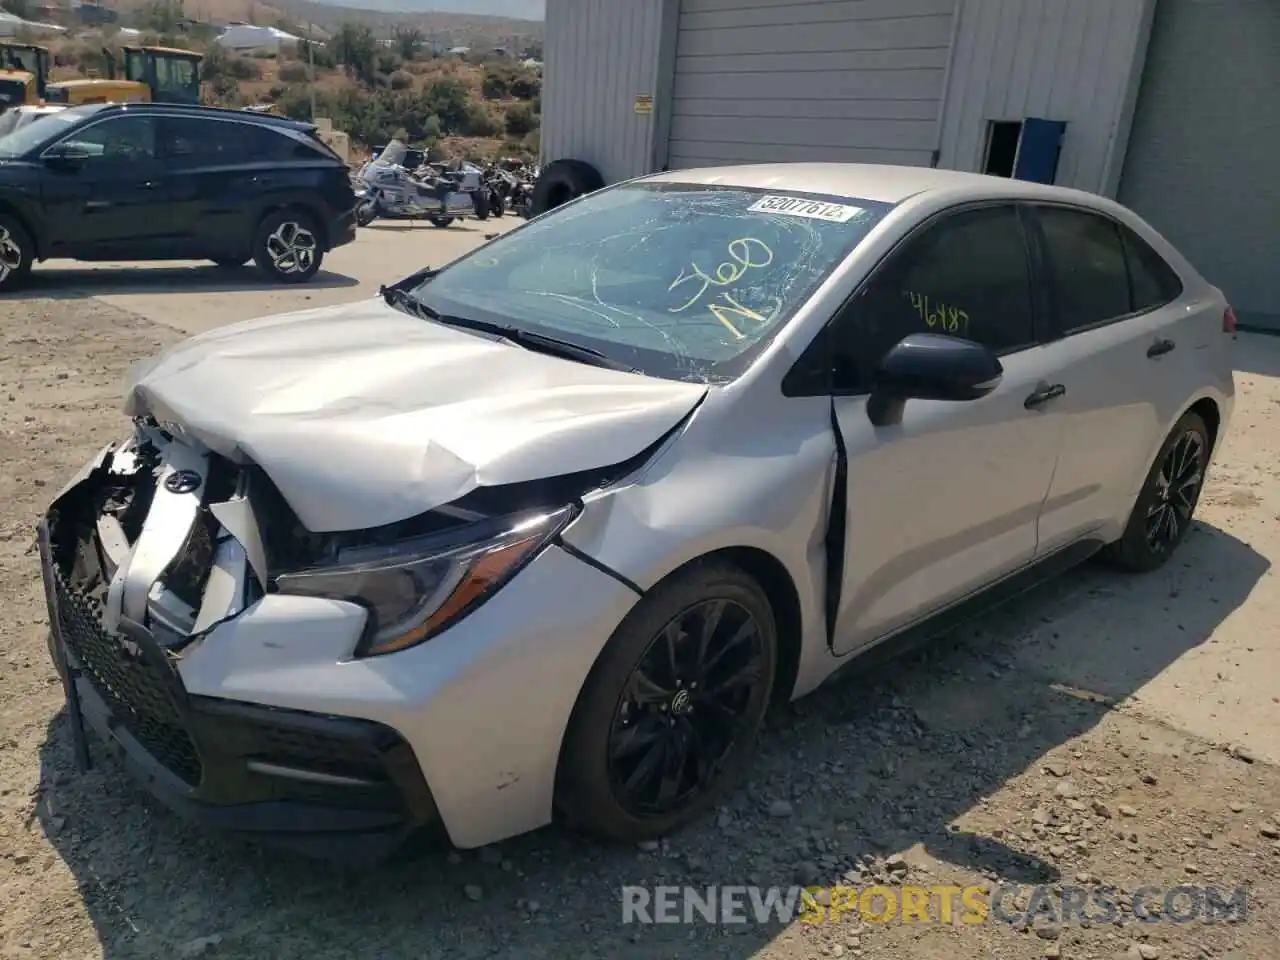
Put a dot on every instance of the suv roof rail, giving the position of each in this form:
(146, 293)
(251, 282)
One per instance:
(269, 119)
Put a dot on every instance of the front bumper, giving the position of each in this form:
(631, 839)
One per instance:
(338, 787)
(343, 229)
(214, 724)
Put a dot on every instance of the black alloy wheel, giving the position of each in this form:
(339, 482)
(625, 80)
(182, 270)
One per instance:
(1166, 506)
(669, 717)
(684, 706)
(1178, 486)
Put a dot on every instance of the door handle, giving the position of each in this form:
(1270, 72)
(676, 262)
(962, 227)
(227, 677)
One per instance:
(1160, 348)
(1044, 395)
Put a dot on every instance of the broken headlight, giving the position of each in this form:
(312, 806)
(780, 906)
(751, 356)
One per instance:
(416, 588)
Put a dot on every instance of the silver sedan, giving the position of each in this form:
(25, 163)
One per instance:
(552, 527)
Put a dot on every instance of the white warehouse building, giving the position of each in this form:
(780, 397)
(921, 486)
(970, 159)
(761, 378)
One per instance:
(1170, 106)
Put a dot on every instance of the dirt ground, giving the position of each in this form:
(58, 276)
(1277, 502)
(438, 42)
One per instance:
(1103, 731)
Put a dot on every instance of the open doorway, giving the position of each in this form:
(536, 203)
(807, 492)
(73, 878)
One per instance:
(1002, 147)
(1024, 149)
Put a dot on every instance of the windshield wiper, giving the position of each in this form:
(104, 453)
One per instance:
(538, 342)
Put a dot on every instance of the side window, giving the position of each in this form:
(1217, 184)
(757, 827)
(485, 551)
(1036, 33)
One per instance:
(966, 276)
(122, 139)
(1154, 282)
(190, 142)
(1086, 266)
(268, 144)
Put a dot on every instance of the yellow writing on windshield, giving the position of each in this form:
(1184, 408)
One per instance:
(939, 316)
(741, 252)
(731, 308)
(744, 254)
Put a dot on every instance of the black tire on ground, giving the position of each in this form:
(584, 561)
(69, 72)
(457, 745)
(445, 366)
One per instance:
(497, 205)
(231, 263)
(1164, 509)
(442, 222)
(562, 181)
(481, 200)
(17, 253)
(366, 213)
(589, 789)
(287, 246)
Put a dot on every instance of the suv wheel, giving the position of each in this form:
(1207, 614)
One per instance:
(16, 253)
(287, 246)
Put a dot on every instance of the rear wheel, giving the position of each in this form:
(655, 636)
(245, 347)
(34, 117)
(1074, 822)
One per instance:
(481, 201)
(670, 714)
(1163, 512)
(442, 222)
(17, 253)
(287, 246)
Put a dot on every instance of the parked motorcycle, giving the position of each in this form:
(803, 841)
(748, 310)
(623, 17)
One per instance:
(441, 196)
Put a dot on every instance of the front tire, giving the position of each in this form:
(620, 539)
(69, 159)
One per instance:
(669, 717)
(17, 253)
(441, 222)
(1166, 505)
(286, 246)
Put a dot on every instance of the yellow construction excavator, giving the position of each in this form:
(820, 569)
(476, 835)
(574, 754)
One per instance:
(24, 72)
(149, 74)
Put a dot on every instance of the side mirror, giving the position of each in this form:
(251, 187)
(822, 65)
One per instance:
(925, 366)
(66, 155)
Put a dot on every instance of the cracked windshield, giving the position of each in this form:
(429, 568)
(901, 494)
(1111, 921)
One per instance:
(680, 282)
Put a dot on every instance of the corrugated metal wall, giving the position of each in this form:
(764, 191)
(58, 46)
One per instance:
(1202, 163)
(601, 54)
(835, 80)
(1072, 60)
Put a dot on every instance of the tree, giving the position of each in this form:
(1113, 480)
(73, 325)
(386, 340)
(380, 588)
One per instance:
(407, 42)
(450, 100)
(355, 47)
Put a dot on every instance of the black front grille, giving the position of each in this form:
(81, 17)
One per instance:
(136, 690)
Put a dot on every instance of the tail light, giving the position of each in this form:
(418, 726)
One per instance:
(1229, 321)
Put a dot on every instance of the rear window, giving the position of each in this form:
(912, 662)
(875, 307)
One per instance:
(1154, 282)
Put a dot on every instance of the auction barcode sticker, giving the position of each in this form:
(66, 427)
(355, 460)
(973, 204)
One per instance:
(800, 207)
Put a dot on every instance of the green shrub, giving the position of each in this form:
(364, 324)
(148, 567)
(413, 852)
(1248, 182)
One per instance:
(294, 72)
(520, 120)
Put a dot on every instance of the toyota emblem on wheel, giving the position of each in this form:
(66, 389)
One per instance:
(182, 481)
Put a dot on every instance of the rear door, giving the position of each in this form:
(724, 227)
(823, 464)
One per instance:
(113, 205)
(211, 183)
(1123, 361)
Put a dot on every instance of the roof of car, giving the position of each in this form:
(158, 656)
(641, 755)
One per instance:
(226, 113)
(868, 181)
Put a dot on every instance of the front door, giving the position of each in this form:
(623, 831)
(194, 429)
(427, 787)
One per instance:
(947, 501)
(113, 204)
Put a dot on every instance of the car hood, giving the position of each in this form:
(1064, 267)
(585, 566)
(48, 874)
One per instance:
(364, 416)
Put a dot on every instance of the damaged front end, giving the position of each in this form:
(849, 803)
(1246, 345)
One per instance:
(162, 555)
(143, 556)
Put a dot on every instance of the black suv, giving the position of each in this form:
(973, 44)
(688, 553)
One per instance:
(151, 181)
